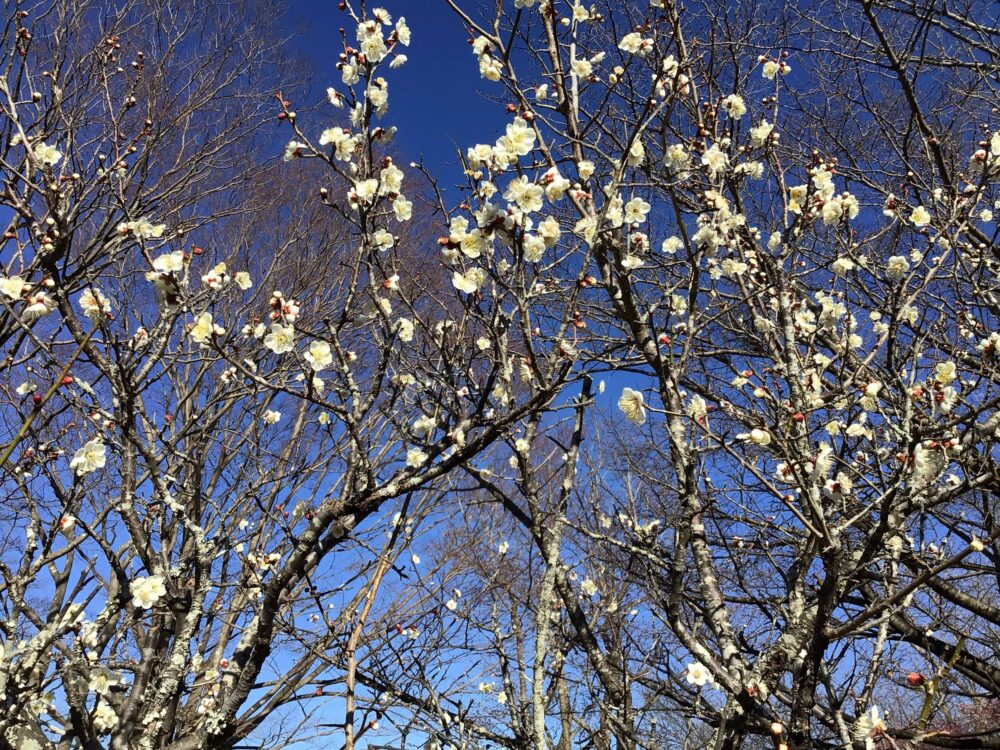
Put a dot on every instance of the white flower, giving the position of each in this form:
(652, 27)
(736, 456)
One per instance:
(920, 216)
(94, 304)
(47, 155)
(896, 267)
(38, 304)
(168, 263)
(271, 417)
(105, 718)
(342, 141)
(555, 184)
(519, 139)
(549, 231)
(415, 458)
(404, 326)
(582, 68)
(281, 339)
(636, 211)
(203, 329)
(216, 278)
(145, 229)
(403, 32)
(390, 179)
(734, 106)
(760, 133)
(91, 457)
(632, 406)
(146, 592)
(945, 373)
(13, 287)
(636, 154)
(842, 265)
(770, 69)
(715, 160)
(402, 208)
(634, 43)
(364, 192)
(671, 245)
(588, 587)
(470, 281)
(243, 281)
(527, 195)
(318, 355)
(868, 725)
(697, 674)
(759, 437)
(101, 680)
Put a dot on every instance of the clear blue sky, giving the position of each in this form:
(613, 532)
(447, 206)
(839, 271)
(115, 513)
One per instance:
(434, 99)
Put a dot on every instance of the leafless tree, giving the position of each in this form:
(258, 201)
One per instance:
(684, 435)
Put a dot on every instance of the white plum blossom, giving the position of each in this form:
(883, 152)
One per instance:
(143, 228)
(146, 592)
(364, 192)
(13, 287)
(104, 718)
(402, 208)
(470, 281)
(90, 457)
(734, 106)
(102, 679)
(635, 44)
(920, 217)
(342, 141)
(519, 138)
(715, 160)
(636, 211)
(896, 267)
(203, 329)
(281, 339)
(47, 155)
(759, 134)
(868, 725)
(696, 674)
(404, 327)
(37, 305)
(582, 67)
(318, 355)
(632, 406)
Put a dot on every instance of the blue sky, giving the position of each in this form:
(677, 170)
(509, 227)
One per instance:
(435, 99)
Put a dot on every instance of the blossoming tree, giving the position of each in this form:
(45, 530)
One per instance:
(691, 411)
